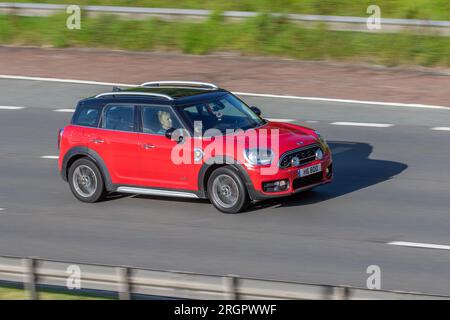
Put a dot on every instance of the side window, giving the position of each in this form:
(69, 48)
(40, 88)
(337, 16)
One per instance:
(119, 117)
(157, 119)
(87, 116)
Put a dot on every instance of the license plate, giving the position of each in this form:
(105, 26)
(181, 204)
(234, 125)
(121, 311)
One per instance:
(309, 170)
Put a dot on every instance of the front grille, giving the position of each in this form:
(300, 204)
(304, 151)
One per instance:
(307, 181)
(305, 155)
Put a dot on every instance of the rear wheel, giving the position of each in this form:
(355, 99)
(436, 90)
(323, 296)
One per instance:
(227, 191)
(86, 181)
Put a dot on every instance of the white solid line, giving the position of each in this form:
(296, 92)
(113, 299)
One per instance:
(49, 157)
(392, 104)
(419, 245)
(11, 108)
(441, 128)
(12, 77)
(64, 110)
(363, 124)
(280, 120)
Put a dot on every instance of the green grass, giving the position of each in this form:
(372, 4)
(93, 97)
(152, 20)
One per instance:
(9, 293)
(420, 9)
(262, 36)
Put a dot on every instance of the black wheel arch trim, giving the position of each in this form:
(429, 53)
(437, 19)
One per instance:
(91, 154)
(230, 162)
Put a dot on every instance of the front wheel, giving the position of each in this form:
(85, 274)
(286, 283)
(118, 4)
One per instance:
(227, 191)
(86, 181)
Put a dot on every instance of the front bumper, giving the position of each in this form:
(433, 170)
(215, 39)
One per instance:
(296, 184)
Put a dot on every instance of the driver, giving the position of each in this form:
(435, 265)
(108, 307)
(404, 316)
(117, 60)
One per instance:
(165, 120)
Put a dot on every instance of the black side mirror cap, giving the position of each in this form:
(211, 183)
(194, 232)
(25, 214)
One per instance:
(256, 110)
(170, 134)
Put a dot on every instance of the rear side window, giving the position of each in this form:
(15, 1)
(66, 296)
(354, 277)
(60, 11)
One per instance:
(87, 116)
(119, 117)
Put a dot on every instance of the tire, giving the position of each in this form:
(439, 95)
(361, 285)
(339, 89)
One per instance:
(233, 197)
(86, 181)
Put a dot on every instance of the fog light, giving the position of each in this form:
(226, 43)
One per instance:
(276, 186)
(329, 171)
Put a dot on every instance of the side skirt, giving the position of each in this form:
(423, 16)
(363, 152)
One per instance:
(158, 192)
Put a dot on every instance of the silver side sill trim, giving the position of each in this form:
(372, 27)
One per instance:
(156, 192)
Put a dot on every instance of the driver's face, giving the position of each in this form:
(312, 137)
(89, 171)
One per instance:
(165, 120)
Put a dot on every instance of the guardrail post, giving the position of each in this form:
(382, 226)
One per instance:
(125, 289)
(231, 287)
(30, 278)
(342, 293)
(328, 292)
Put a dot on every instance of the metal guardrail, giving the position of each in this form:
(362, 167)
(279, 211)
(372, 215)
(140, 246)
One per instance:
(128, 281)
(343, 23)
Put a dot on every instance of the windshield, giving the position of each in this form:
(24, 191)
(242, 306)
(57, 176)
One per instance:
(226, 113)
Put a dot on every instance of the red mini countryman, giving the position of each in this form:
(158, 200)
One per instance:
(187, 139)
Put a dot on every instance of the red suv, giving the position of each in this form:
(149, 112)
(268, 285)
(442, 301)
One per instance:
(187, 139)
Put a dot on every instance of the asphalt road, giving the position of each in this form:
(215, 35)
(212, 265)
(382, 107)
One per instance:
(392, 184)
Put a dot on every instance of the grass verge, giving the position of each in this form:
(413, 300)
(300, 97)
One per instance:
(261, 35)
(408, 9)
(13, 293)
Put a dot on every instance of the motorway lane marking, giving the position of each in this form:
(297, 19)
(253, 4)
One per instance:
(49, 157)
(64, 110)
(11, 108)
(441, 128)
(363, 124)
(419, 245)
(338, 150)
(12, 77)
(280, 120)
(392, 104)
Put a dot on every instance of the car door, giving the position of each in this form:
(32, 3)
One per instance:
(117, 142)
(158, 167)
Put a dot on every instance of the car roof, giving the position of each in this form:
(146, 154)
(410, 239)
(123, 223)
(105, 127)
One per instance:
(174, 94)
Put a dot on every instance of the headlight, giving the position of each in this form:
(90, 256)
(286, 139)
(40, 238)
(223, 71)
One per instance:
(258, 156)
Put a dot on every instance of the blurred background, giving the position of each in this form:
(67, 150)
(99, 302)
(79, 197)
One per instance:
(262, 34)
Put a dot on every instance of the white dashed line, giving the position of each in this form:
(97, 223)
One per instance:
(280, 120)
(338, 150)
(363, 124)
(64, 110)
(2, 209)
(311, 121)
(419, 245)
(441, 128)
(50, 157)
(11, 108)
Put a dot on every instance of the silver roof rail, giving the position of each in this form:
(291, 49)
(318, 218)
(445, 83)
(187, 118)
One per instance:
(188, 83)
(133, 93)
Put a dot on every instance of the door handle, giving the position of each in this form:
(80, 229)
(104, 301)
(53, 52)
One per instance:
(147, 146)
(97, 141)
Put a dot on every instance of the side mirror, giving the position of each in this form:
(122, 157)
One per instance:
(256, 110)
(175, 135)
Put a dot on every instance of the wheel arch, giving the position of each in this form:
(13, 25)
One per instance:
(76, 153)
(217, 162)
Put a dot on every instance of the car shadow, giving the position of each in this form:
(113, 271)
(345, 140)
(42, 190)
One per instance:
(353, 170)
